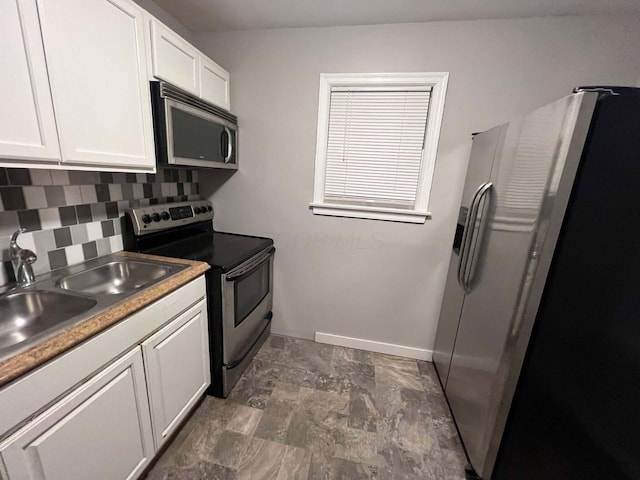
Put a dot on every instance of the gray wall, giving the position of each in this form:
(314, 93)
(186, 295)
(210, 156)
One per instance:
(370, 279)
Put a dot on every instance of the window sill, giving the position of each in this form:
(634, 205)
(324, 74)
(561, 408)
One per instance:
(370, 213)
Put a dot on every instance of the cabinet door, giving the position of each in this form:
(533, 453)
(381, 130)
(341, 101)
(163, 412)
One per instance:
(96, 58)
(174, 60)
(177, 365)
(214, 83)
(100, 431)
(27, 124)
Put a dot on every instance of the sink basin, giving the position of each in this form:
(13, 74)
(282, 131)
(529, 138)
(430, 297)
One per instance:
(115, 277)
(26, 314)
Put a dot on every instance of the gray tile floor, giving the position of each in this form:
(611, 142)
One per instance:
(304, 410)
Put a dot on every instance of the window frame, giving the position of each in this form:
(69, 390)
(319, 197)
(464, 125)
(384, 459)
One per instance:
(438, 83)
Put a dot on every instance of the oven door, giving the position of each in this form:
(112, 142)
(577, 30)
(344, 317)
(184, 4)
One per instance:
(198, 138)
(247, 296)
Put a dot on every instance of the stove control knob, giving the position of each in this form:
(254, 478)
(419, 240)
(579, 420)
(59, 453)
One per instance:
(196, 210)
(155, 217)
(209, 208)
(146, 219)
(165, 215)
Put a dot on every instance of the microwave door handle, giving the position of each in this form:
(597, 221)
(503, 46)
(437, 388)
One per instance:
(229, 145)
(222, 144)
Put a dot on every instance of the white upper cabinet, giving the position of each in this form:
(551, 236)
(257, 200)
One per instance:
(178, 62)
(27, 124)
(214, 83)
(75, 87)
(97, 64)
(174, 60)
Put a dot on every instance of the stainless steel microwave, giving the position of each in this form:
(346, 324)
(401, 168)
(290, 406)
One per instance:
(191, 132)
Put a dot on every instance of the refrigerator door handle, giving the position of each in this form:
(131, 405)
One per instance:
(467, 272)
(466, 235)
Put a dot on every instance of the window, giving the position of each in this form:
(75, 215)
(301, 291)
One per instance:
(377, 142)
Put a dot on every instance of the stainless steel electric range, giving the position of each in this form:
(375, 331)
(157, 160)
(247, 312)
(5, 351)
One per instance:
(239, 284)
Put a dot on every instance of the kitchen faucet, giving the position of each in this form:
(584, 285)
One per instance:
(22, 259)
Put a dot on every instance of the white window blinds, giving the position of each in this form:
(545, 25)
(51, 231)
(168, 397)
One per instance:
(375, 145)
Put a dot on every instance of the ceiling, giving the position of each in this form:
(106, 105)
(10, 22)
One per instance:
(220, 15)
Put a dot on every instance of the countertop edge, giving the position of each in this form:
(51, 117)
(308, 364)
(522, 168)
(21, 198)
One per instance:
(28, 360)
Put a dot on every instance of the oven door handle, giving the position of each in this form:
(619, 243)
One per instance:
(238, 275)
(235, 363)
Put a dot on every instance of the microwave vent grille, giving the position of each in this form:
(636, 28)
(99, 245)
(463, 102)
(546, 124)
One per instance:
(169, 91)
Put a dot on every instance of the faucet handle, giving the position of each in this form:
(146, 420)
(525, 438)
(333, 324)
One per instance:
(14, 237)
(28, 256)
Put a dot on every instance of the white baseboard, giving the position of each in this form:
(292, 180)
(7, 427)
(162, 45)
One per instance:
(373, 346)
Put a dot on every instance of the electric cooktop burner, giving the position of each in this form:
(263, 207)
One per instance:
(223, 251)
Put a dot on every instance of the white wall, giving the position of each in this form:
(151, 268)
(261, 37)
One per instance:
(161, 14)
(370, 279)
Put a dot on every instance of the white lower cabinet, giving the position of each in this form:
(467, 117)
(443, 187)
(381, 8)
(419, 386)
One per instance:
(100, 431)
(177, 367)
(64, 421)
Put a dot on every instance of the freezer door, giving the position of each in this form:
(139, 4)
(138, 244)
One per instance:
(575, 412)
(478, 172)
(509, 230)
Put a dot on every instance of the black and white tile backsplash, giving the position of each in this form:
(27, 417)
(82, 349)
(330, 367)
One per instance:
(74, 216)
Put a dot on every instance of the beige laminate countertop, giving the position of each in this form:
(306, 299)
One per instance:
(25, 361)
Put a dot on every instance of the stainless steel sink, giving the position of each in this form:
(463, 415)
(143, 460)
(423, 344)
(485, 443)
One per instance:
(68, 296)
(115, 277)
(25, 314)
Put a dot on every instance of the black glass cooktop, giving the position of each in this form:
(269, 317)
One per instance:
(223, 251)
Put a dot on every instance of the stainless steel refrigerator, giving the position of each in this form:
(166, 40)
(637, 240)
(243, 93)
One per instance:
(548, 223)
